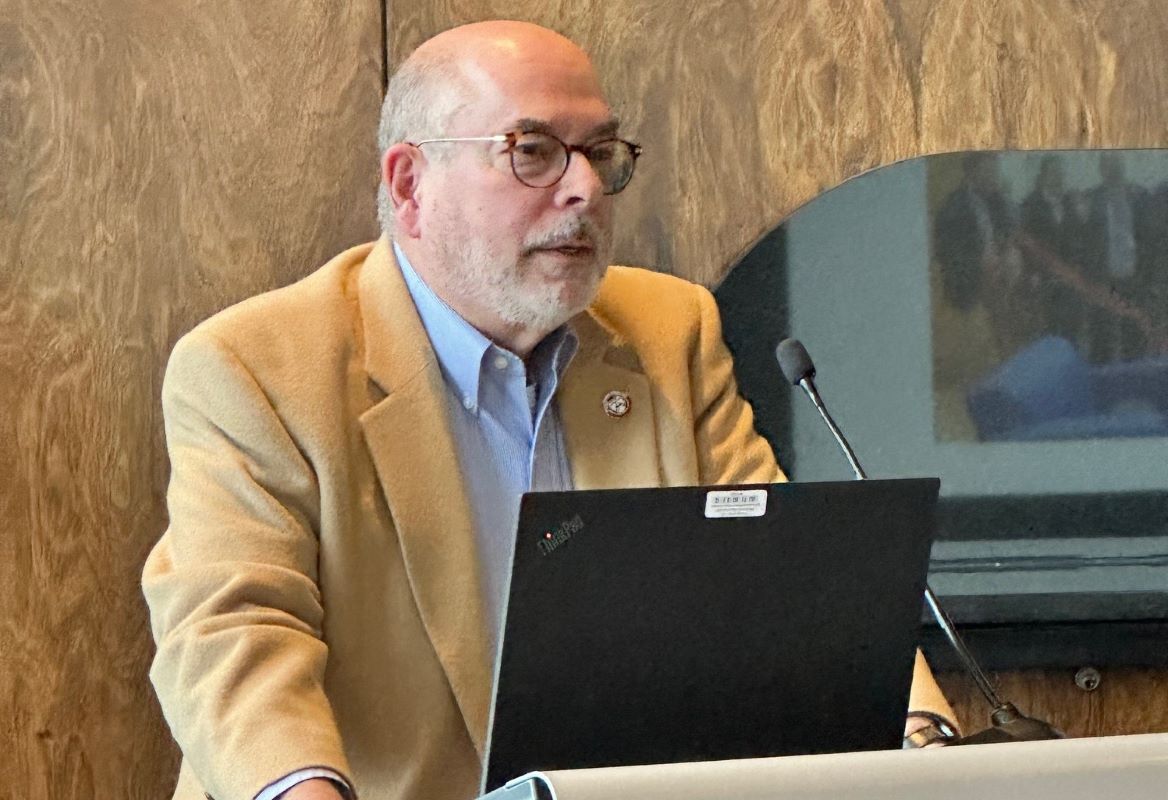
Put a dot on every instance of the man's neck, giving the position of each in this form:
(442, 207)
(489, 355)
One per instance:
(518, 339)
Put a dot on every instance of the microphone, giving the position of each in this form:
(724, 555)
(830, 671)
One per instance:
(797, 368)
(1008, 724)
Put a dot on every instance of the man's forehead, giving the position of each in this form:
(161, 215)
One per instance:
(558, 109)
(609, 126)
(556, 87)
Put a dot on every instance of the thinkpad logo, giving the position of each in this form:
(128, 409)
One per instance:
(557, 536)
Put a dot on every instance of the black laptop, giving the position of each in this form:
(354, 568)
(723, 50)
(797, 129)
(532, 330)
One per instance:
(650, 626)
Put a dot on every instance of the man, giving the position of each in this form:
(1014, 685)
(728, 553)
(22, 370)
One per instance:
(980, 268)
(1054, 223)
(347, 452)
(1119, 232)
(970, 232)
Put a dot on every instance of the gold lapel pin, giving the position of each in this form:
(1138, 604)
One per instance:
(617, 404)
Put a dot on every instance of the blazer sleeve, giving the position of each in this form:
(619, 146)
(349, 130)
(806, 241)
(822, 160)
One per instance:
(232, 584)
(731, 451)
(926, 695)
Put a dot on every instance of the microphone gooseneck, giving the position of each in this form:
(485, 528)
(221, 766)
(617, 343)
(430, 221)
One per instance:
(1008, 723)
(795, 362)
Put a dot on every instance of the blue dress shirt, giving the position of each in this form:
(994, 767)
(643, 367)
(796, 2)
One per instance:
(506, 429)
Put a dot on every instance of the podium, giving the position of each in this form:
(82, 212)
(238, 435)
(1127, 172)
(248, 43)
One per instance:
(1127, 767)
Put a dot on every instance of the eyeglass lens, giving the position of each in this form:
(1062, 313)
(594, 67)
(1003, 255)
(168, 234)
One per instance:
(539, 160)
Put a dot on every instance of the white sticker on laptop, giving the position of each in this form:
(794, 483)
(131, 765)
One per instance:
(736, 503)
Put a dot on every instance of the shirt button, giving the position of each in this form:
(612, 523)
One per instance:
(500, 362)
(468, 403)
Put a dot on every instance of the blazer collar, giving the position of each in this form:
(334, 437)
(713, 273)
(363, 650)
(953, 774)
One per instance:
(411, 442)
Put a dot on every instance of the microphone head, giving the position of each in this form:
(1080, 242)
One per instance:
(794, 361)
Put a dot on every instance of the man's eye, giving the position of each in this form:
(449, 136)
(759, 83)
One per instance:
(529, 149)
(599, 155)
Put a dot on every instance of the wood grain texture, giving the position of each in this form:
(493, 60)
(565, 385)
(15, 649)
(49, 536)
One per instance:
(749, 110)
(1128, 700)
(157, 162)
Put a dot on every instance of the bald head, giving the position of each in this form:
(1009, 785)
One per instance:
(497, 42)
(467, 72)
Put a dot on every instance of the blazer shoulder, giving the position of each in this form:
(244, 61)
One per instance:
(297, 320)
(635, 298)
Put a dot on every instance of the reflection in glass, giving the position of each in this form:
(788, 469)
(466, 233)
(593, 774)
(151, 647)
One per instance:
(1049, 277)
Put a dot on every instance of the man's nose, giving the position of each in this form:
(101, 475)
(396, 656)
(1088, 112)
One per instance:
(580, 185)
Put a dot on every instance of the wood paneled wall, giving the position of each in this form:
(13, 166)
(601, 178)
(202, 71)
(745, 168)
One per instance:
(160, 161)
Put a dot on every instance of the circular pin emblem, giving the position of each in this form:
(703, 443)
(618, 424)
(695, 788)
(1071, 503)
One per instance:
(616, 404)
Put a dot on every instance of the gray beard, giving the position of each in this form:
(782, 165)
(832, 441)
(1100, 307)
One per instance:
(527, 303)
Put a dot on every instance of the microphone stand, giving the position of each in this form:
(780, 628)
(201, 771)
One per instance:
(1008, 724)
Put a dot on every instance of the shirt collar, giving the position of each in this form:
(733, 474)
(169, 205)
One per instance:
(461, 348)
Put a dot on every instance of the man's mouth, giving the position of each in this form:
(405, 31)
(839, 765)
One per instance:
(569, 249)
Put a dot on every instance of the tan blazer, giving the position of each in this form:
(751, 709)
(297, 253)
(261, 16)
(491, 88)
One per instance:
(315, 598)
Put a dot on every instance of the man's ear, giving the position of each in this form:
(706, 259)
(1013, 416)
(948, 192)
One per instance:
(401, 170)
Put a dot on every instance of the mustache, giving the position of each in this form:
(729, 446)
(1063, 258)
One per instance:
(578, 232)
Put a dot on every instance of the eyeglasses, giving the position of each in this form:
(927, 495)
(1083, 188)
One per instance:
(539, 160)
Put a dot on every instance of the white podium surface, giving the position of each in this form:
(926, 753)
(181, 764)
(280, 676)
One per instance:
(1107, 768)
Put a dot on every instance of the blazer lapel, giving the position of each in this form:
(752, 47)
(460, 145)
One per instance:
(410, 439)
(607, 451)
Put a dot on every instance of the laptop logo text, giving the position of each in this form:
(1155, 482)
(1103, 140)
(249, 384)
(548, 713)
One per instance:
(560, 534)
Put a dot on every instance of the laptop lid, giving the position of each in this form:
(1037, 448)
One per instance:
(699, 623)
